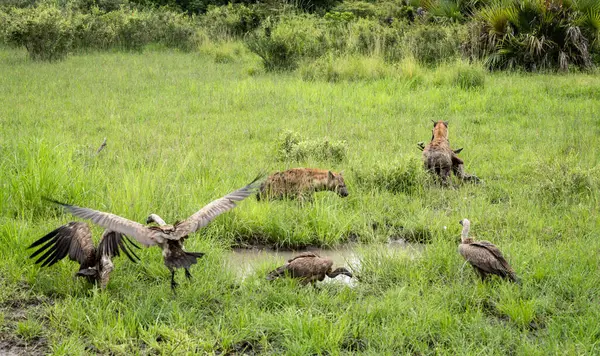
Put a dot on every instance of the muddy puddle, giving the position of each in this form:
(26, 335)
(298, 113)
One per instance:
(245, 261)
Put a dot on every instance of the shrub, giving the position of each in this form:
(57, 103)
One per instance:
(349, 68)
(292, 147)
(468, 77)
(96, 5)
(282, 45)
(132, 29)
(174, 30)
(233, 20)
(433, 44)
(93, 31)
(370, 37)
(223, 57)
(44, 31)
(360, 9)
(411, 71)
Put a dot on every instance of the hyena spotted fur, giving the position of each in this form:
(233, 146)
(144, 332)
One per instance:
(440, 159)
(301, 183)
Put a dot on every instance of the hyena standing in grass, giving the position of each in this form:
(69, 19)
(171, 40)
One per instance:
(440, 159)
(301, 183)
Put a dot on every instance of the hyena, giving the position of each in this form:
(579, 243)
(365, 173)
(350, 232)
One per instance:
(301, 183)
(440, 159)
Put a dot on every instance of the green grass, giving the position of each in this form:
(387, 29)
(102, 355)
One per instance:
(183, 130)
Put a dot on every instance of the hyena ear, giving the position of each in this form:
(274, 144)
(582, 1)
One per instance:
(446, 123)
(434, 122)
(330, 175)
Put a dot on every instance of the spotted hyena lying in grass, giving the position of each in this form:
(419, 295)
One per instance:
(440, 159)
(301, 183)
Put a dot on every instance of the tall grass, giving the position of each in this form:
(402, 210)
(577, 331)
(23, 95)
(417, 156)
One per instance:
(182, 130)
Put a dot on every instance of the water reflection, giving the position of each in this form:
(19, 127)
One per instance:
(245, 261)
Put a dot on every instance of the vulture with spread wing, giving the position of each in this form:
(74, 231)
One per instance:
(169, 238)
(484, 256)
(309, 268)
(75, 240)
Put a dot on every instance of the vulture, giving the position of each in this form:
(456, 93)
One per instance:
(169, 238)
(75, 239)
(484, 256)
(309, 268)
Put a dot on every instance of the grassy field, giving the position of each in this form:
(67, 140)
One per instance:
(183, 129)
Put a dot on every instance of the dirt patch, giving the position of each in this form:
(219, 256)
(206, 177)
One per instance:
(244, 347)
(16, 347)
(15, 310)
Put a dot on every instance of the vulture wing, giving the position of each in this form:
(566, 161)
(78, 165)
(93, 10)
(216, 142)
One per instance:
(112, 242)
(507, 269)
(73, 239)
(303, 254)
(215, 208)
(481, 257)
(309, 266)
(112, 222)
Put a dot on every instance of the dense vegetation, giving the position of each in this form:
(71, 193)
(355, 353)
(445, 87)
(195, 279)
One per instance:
(183, 129)
(504, 34)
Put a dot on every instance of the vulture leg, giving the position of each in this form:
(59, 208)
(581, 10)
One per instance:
(173, 283)
(188, 275)
(481, 273)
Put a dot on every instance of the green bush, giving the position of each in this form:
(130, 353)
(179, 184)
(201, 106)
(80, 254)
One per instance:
(360, 9)
(348, 68)
(469, 77)
(367, 37)
(291, 147)
(93, 31)
(433, 44)
(131, 29)
(233, 20)
(95, 5)
(176, 30)
(283, 44)
(45, 31)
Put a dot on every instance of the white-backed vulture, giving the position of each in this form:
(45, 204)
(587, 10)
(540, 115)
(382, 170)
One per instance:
(484, 256)
(75, 240)
(308, 267)
(169, 238)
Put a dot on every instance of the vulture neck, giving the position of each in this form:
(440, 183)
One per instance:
(339, 271)
(464, 236)
(157, 219)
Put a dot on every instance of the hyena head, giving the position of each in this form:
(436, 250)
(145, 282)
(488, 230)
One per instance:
(335, 183)
(440, 129)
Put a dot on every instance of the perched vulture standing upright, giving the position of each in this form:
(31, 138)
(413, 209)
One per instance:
(484, 256)
(169, 238)
(75, 239)
(309, 268)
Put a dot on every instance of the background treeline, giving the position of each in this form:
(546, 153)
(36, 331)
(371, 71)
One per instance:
(503, 34)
